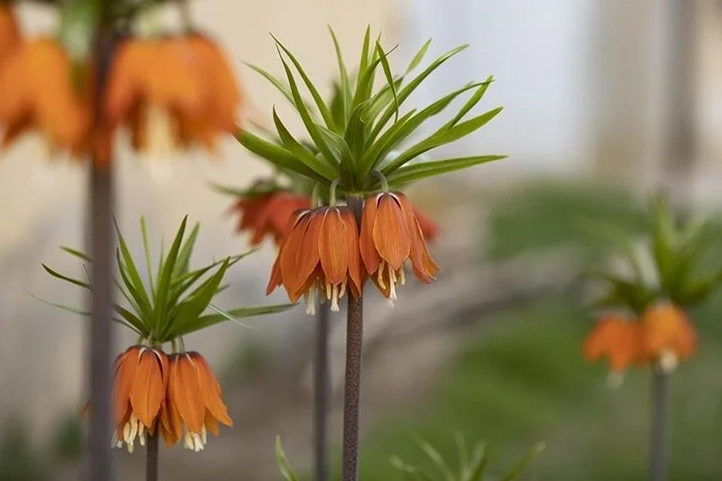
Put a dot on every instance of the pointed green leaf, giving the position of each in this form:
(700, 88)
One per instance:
(410, 473)
(300, 152)
(148, 262)
(389, 78)
(423, 170)
(80, 255)
(283, 464)
(132, 321)
(519, 467)
(239, 313)
(471, 103)
(477, 466)
(72, 310)
(441, 137)
(280, 86)
(320, 104)
(346, 92)
(184, 254)
(276, 154)
(65, 278)
(462, 452)
(165, 277)
(132, 277)
(419, 57)
(436, 458)
(405, 92)
(365, 48)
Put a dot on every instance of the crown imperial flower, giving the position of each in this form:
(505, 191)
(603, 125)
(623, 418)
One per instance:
(390, 236)
(667, 335)
(320, 255)
(267, 215)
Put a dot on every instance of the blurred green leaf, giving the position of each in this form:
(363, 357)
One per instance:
(283, 463)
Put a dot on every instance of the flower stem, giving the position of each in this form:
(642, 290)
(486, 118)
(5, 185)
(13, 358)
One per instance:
(659, 434)
(101, 240)
(322, 394)
(151, 457)
(352, 387)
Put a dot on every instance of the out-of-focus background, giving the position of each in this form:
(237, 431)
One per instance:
(604, 101)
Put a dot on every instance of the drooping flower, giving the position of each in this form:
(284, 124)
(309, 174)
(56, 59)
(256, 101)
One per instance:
(172, 92)
(268, 214)
(429, 228)
(391, 235)
(10, 36)
(320, 255)
(38, 93)
(616, 338)
(139, 391)
(194, 403)
(667, 335)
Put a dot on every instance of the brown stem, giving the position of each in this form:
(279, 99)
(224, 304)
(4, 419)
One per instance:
(352, 387)
(322, 394)
(151, 458)
(658, 449)
(101, 239)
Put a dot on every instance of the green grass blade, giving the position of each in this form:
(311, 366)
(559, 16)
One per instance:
(80, 255)
(423, 170)
(283, 464)
(389, 78)
(437, 460)
(148, 261)
(129, 271)
(471, 103)
(165, 278)
(280, 86)
(419, 57)
(185, 252)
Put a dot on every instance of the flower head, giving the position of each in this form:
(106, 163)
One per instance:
(194, 403)
(615, 338)
(10, 36)
(320, 255)
(172, 92)
(268, 214)
(667, 335)
(37, 92)
(139, 387)
(391, 235)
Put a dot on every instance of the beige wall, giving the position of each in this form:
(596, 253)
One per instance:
(41, 203)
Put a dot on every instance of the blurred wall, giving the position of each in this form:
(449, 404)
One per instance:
(41, 202)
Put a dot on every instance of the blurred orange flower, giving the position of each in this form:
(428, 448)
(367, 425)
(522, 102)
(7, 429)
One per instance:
(10, 36)
(429, 228)
(37, 92)
(391, 235)
(320, 255)
(139, 387)
(172, 92)
(268, 214)
(667, 335)
(194, 403)
(616, 338)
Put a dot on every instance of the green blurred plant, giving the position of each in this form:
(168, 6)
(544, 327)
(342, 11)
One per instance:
(686, 270)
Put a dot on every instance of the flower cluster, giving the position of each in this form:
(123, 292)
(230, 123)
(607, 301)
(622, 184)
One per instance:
(661, 336)
(169, 91)
(326, 254)
(176, 395)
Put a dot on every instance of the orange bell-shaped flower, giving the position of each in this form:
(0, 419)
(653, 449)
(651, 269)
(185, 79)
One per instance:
(194, 403)
(37, 92)
(10, 36)
(667, 335)
(429, 228)
(320, 255)
(139, 390)
(617, 339)
(268, 214)
(172, 92)
(391, 235)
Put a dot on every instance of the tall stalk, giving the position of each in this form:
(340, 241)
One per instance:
(322, 394)
(352, 387)
(151, 457)
(659, 432)
(101, 239)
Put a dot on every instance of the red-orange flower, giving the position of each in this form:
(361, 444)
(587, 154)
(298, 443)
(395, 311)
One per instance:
(194, 403)
(429, 228)
(37, 92)
(10, 36)
(319, 255)
(667, 335)
(391, 235)
(172, 92)
(268, 214)
(617, 339)
(139, 390)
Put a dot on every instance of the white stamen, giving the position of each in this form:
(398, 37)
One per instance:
(204, 435)
(342, 291)
(615, 380)
(311, 302)
(161, 146)
(402, 276)
(380, 275)
(334, 298)
(392, 283)
(668, 361)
